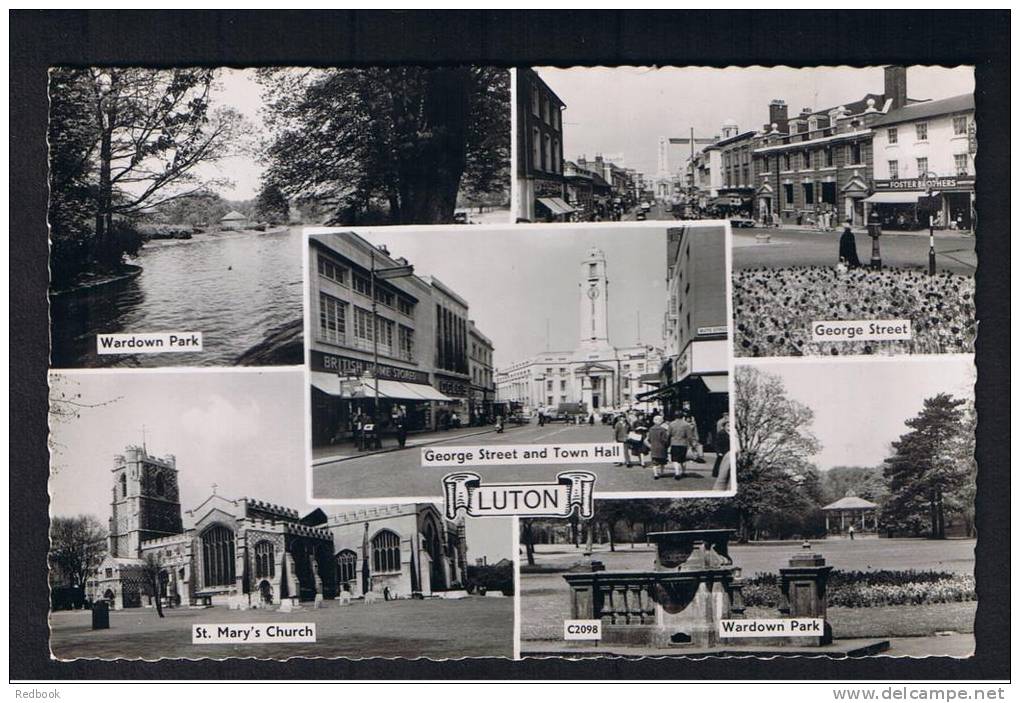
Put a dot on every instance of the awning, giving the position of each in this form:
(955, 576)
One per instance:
(398, 390)
(717, 384)
(326, 382)
(900, 197)
(556, 206)
(330, 383)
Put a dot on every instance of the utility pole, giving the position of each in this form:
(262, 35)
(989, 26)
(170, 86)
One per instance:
(691, 140)
(382, 274)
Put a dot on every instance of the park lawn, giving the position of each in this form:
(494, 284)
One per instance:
(433, 628)
(893, 621)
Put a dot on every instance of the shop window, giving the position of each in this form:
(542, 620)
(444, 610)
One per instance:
(921, 129)
(892, 134)
(894, 169)
(960, 125)
(962, 167)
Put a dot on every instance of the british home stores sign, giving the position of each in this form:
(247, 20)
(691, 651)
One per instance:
(349, 366)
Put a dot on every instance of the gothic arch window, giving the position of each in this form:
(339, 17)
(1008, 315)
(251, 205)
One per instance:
(218, 556)
(265, 560)
(123, 485)
(385, 551)
(346, 565)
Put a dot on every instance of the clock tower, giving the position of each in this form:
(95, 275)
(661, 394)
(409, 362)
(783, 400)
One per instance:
(594, 301)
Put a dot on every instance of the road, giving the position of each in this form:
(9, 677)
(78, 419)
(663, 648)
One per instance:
(398, 474)
(658, 212)
(953, 252)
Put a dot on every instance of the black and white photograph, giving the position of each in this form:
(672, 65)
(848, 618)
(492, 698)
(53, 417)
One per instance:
(177, 196)
(178, 507)
(521, 335)
(857, 514)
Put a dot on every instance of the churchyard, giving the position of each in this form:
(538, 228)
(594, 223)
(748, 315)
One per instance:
(434, 628)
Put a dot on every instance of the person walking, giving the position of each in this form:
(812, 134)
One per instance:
(620, 431)
(636, 439)
(722, 441)
(657, 442)
(681, 439)
(848, 248)
(850, 531)
(400, 422)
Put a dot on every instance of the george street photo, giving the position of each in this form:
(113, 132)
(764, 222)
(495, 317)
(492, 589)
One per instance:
(177, 194)
(522, 335)
(856, 515)
(189, 515)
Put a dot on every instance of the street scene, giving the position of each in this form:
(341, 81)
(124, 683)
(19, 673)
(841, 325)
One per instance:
(177, 193)
(870, 531)
(565, 358)
(890, 146)
(190, 513)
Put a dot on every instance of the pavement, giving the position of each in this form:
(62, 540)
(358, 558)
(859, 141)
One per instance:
(399, 474)
(344, 451)
(792, 246)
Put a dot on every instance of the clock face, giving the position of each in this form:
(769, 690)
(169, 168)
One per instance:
(593, 293)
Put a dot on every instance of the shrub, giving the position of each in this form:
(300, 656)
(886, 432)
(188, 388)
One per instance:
(867, 589)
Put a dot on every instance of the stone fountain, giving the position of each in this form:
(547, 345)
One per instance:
(693, 586)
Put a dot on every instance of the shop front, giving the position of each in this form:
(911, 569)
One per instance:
(550, 205)
(345, 387)
(704, 396)
(906, 204)
(456, 409)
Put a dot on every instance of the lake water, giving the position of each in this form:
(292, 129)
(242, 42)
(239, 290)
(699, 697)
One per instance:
(233, 288)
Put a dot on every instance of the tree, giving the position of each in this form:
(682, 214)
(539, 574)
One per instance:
(271, 204)
(66, 405)
(868, 482)
(154, 577)
(77, 546)
(930, 465)
(399, 139)
(123, 140)
(775, 447)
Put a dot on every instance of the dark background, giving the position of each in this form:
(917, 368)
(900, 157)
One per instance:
(162, 38)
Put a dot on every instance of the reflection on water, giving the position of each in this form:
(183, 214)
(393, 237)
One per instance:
(233, 289)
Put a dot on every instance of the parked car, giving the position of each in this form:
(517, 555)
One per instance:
(741, 222)
(461, 218)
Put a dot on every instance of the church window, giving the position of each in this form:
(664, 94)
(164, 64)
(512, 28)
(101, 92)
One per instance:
(160, 485)
(218, 556)
(123, 486)
(265, 562)
(346, 563)
(386, 552)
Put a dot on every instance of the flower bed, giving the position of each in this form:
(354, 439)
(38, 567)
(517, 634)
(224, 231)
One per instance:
(773, 310)
(868, 589)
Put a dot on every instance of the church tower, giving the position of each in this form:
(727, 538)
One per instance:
(146, 501)
(594, 301)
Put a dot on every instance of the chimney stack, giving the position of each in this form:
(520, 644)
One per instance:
(779, 115)
(896, 86)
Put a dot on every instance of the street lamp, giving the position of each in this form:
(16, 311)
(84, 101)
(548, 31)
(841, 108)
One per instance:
(928, 177)
(383, 274)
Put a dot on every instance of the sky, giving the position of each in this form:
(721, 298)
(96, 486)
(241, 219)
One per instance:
(237, 88)
(860, 406)
(242, 430)
(626, 110)
(520, 281)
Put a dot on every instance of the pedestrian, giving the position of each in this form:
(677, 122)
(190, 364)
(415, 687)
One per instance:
(850, 531)
(657, 442)
(591, 420)
(499, 424)
(721, 444)
(358, 425)
(681, 438)
(401, 426)
(620, 431)
(848, 248)
(636, 439)
(541, 418)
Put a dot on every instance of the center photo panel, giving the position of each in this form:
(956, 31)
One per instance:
(576, 357)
